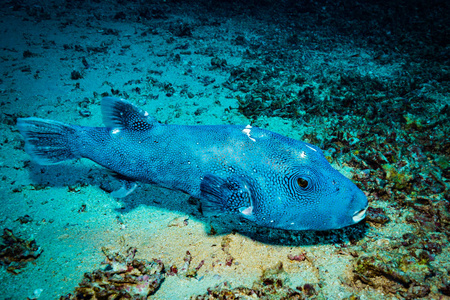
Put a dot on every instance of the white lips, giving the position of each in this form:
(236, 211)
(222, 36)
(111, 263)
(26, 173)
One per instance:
(359, 215)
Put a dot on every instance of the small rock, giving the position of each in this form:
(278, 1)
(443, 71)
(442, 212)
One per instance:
(179, 222)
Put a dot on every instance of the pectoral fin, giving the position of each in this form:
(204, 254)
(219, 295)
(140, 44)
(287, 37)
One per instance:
(231, 195)
(128, 185)
(127, 188)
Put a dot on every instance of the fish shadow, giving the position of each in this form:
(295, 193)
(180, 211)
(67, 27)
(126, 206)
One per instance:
(231, 224)
(76, 175)
(280, 237)
(59, 175)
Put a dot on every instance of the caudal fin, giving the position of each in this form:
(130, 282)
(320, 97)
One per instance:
(48, 142)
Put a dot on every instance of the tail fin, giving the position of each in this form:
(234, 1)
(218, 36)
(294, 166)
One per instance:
(48, 142)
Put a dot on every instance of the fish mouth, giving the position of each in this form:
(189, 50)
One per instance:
(359, 215)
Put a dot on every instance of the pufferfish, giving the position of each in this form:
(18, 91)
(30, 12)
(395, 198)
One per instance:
(272, 180)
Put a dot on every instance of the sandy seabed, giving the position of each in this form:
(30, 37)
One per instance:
(187, 63)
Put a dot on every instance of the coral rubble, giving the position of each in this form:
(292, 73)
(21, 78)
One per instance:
(15, 252)
(123, 277)
(407, 269)
(271, 285)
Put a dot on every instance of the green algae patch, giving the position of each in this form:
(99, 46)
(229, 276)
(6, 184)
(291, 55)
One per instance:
(442, 162)
(400, 179)
(413, 122)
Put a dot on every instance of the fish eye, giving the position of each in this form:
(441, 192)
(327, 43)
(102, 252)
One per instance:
(303, 183)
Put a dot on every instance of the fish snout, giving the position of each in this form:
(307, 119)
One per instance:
(359, 215)
(359, 205)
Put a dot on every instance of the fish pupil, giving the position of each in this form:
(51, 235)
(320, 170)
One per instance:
(303, 183)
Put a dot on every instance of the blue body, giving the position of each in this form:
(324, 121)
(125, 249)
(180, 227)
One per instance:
(265, 177)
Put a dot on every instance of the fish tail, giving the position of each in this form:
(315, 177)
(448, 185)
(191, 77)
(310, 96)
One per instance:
(49, 142)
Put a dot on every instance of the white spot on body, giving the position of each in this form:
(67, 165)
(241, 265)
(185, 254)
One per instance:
(303, 154)
(246, 130)
(311, 148)
(247, 211)
(115, 131)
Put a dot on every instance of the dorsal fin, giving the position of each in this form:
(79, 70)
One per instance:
(119, 113)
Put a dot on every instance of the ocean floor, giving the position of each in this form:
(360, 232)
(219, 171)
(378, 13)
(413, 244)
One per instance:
(368, 83)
